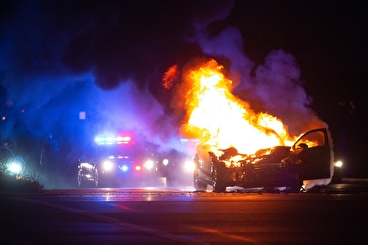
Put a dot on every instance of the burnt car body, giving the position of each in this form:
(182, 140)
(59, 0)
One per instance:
(116, 162)
(281, 166)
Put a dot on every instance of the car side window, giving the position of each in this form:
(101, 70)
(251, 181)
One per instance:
(312, 139)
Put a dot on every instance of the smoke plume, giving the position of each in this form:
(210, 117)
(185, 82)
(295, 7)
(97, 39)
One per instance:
(106, 60)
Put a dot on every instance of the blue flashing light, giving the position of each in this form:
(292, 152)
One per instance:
(110, 140)
(124, 168)
(99, 139)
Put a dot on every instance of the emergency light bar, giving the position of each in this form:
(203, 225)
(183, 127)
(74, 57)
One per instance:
(110, 140)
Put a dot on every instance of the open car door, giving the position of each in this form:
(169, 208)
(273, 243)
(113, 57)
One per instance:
(313, 153)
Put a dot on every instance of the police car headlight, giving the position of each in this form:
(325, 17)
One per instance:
(189, 166)
(165, 162)
(124, 168)
(15, 167)
(149, 164)
(107, 166)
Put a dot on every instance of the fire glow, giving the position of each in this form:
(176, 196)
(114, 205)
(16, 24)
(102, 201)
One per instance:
(218, 118)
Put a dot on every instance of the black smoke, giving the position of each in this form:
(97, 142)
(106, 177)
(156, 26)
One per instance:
(106, 59)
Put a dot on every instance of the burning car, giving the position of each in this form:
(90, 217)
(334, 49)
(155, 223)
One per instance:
(285, 167)
(116, 161)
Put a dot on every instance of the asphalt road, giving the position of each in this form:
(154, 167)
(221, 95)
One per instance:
(181, 216)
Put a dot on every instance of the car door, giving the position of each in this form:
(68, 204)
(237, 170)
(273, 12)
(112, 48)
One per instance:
(313, 154)
(203, 164)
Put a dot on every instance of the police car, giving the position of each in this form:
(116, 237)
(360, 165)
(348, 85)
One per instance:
(117, 161)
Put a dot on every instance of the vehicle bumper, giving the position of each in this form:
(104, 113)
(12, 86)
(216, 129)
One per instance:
(120, 178)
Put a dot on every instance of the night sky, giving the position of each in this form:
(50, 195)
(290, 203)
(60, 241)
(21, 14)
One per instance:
(299, 60)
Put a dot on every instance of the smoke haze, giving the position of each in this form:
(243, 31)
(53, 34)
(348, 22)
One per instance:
(107, 59)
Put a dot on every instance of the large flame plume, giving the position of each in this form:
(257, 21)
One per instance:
(216, 117)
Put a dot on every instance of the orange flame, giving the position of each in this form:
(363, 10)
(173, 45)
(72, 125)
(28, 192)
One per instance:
(170, 76)
(218, 118)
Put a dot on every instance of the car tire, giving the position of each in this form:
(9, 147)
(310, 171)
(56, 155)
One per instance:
(337, 176)
(295, 182)
(81, 182)
(198, 185)
(218, 177)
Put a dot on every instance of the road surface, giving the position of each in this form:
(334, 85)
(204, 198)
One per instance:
(181, 216)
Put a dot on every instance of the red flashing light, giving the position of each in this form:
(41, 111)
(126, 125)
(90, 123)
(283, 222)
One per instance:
(138, 168)
(123, 140)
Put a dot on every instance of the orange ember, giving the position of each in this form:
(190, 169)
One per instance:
(218, 118)
(170, 77)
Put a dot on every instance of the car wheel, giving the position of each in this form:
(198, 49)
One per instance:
(337, 176)
(295, 183)
(198, 185)
(80, 180)
(219, 177)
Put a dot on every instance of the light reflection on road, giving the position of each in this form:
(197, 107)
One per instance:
(185, 192)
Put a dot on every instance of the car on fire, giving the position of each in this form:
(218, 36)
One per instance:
(310, 158)
(116, 161)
